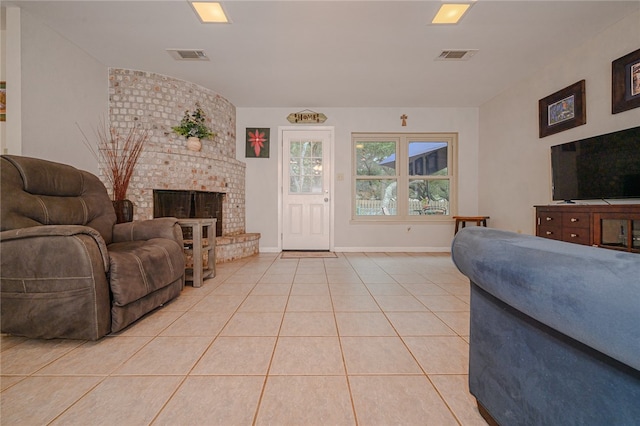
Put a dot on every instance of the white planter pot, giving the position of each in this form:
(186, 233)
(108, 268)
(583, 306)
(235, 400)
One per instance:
(194, 143)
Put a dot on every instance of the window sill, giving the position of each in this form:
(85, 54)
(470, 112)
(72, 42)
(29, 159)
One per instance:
(422, 219)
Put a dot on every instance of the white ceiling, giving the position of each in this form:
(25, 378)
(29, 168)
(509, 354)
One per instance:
(311, 54)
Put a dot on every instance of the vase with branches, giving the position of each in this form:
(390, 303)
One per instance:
(118, 155)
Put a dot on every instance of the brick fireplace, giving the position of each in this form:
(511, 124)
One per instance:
(157, 103)
(189, 205)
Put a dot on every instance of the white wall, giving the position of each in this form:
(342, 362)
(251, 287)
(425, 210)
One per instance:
(503, 165)
(11, 130)
(61, 86)
(3, 72)
(262, 174)
(515, 168)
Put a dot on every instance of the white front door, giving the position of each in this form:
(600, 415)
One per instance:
(306, 178)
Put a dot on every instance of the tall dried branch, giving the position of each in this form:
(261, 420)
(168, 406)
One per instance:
(117, 154)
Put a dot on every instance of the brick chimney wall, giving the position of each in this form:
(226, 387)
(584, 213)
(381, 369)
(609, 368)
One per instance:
(157, 103)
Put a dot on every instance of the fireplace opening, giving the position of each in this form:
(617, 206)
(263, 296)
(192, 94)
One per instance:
(189, 205)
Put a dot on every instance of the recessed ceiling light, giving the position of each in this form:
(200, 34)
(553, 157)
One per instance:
(209, 12)
(450, 13)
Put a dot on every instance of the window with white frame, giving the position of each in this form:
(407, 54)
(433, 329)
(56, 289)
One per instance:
(404, 176)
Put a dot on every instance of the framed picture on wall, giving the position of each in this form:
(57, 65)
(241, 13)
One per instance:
(562, 110)
(3, 101)
(257, 142)
(625, 82)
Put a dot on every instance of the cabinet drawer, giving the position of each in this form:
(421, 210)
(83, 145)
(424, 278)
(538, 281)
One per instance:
(576, 235)
(575, 220)
(551, 232)
(549, 218)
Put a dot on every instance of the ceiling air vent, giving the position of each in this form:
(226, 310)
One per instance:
(456, 55)
(188, 55)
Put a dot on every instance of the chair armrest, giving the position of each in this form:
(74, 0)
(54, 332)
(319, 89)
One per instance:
(589, 294)
(50, 238)
(53, 282)
(163, 227)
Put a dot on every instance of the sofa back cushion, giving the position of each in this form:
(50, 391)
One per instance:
(40, 192)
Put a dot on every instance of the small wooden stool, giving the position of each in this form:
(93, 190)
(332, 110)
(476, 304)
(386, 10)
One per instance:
(479, 220)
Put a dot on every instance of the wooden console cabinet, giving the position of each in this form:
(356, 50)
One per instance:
(614, 227)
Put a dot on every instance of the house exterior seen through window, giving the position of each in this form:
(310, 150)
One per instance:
(404, 176)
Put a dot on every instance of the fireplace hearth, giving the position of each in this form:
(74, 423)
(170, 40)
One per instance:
(188, 205)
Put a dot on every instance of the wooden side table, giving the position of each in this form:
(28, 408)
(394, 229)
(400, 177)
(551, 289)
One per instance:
(199, 251)
(479, 220)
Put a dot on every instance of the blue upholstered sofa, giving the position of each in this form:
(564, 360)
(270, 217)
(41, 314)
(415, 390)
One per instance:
(555, 329)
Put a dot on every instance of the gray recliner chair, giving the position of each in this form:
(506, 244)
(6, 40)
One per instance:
(67, 270)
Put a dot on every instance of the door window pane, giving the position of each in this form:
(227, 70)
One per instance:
(305, 167)
(316, 150)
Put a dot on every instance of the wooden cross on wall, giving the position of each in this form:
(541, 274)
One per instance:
(404, 117)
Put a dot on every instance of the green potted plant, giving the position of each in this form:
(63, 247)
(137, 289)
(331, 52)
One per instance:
(194, 128)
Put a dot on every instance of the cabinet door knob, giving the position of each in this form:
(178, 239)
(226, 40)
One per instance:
(573, 219)
(574, 235)
(549, 218)
(549, 233)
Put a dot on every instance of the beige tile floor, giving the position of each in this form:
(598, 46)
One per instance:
(366, 338)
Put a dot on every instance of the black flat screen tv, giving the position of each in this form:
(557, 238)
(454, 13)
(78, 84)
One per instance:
(599, 167)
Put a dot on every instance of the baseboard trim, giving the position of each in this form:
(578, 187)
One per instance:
(374, 249)
(394, 249)
(270, 250)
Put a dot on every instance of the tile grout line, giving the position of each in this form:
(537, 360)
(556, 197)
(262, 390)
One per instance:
(344, 361)
(275, 345)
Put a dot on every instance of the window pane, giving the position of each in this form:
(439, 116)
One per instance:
(376, 158)
(316, 150)
(294, 149)
(403, 176)
(429, 196)
(294, 166)
(376, 197)
(305, 167)
(427, 158)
